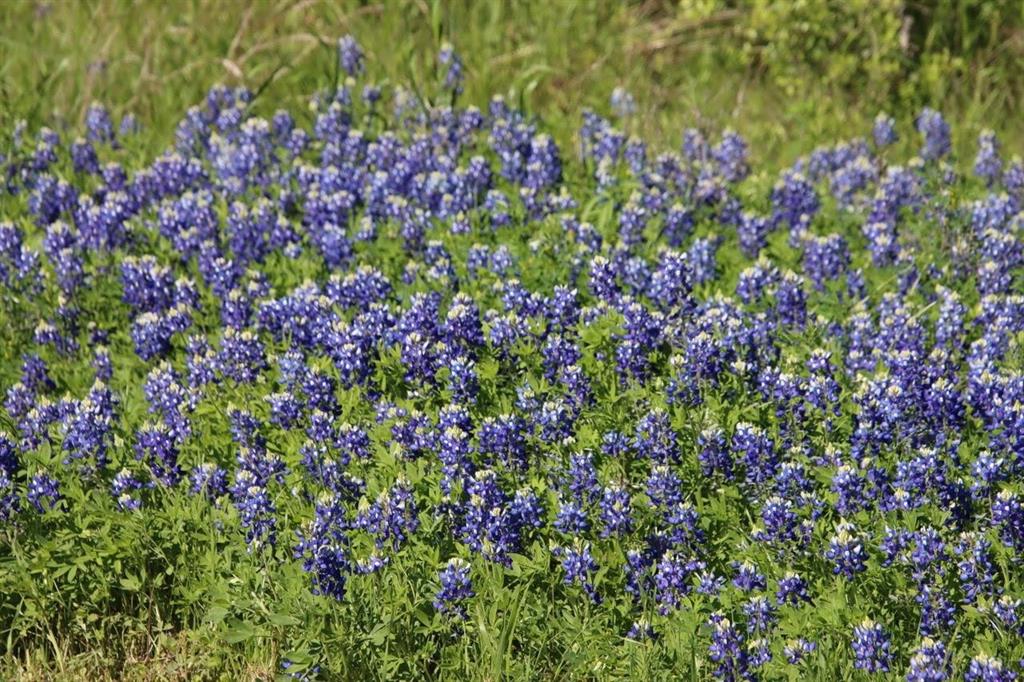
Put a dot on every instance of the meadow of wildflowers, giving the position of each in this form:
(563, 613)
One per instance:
(393, 387)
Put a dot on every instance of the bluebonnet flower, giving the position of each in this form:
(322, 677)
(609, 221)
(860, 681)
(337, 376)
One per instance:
(871, 647)
(679, 224)
(702, 259)
(34, 418)
(504, 437)
(635, 155)
(392, 518)
(201, 363)
(558, 352)
(571, 518)
(755, 280)
(622, 102)
(709, 583)
(34, 373)
(169, 399)
(84, 158)
(582, 477)
(579, 566)
(976, 567)
(695, 147)
(123, 488)
(758, 652)
(152, 332)
(849, 184)
(938, 612)
(792, 590)
(102, 364)
(714, 455)
(760, 614)
(256, 509)
(615, 512)
(748, 578)
(1013, 176)
(433, 343)
(825, 259)
(452, 68)
(1006, 609)
(987, 164)
(556, 421)
(319, 390)
(655, 438)
(156, 447)
(794, 202)
(147, 285)
(641, 630)
(209, 480)
(731, 156)
(324, 548)
(10, 501)
(753, 231)
(935, 130)
(846, 550)
(544, 167)
(43, 492)
(929, 663)
(87, 429)
(285, 409)
(664, 487)
(850, 488)
(756, 451)
(791, 300)
(884, 130)
(98, 124)
(778, 519)
(350, 55)
(796, 650)
(985, 668)
(632, 221)
(456, 588)
(727, 649)
(241, 357)
(1008, 517)
(493, 524)
(9, 459)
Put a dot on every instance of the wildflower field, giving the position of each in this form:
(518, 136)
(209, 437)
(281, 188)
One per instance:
(394, 386)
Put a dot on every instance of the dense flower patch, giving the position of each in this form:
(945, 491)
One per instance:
(413, 332)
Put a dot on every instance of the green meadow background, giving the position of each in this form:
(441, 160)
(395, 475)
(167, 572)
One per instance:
(786, 74)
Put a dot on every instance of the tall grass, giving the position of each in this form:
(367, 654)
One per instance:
(786, 75)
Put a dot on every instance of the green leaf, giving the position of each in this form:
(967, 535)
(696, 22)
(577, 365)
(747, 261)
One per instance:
(282, 619)
(131, 584)
(487, 369)
(379, 634)
(239, 631)
(216, 614)
(424, 616)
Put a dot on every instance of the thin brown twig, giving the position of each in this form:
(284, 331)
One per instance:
(677, 32)
(303, 37)
(242, 26)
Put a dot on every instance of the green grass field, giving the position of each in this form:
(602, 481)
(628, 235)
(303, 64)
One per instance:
(166, 594)
(157, 58)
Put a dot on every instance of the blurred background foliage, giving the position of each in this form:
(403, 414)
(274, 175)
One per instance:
(785, 74)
